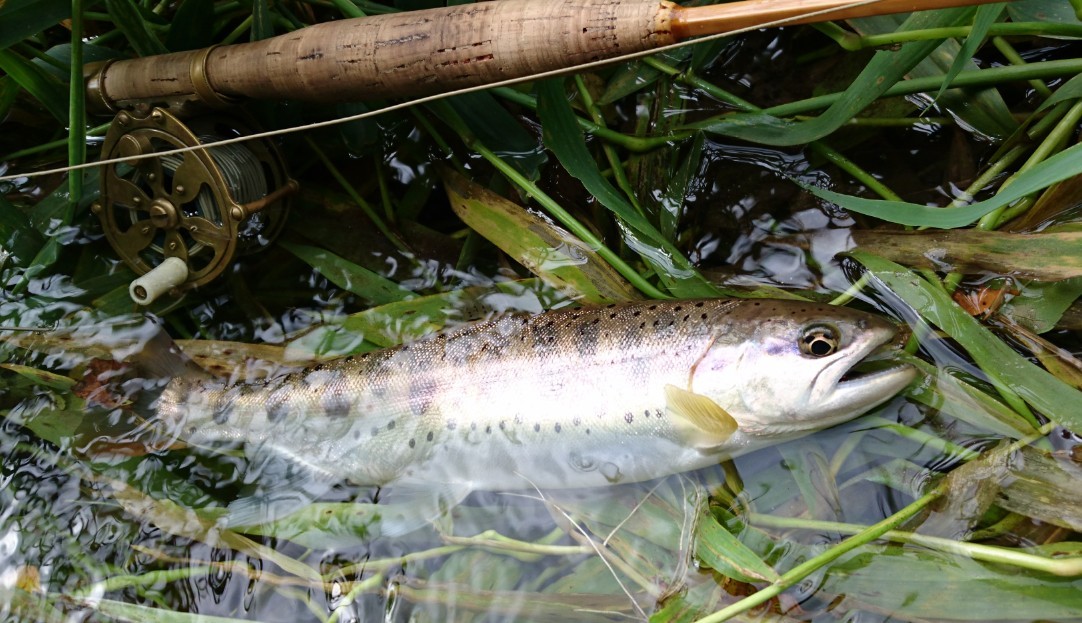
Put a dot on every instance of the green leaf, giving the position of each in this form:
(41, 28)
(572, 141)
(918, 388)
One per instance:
(43, 378)
(563, 136)
(982, 110)
(52, 93)
(1044, 486)
(718, 549)
(129, 19)
(540, 245)
(1054, 11)
(987, 15)
(262, 24)
(349, 276)
(1040, 305)
(922, 584)
(1059, 167)
(1040, 389)
(20, 19)
(1049, 257)
(884, 70)
(188, 29)
(500, 131)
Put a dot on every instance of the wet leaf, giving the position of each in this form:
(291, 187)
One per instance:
(958, 399)
(188, 28)
(500, 131)
(131, 19)
(564, 137)
(1043, 257)
(1040, 306)
(718, 549)
(43, 378)
(885, 69)
(537, 243)
(52, 94)
(910, 583)
(1059, 167)
(982, 110)
(1036, 386)
(349, 276)
(1059, 361)
(1043, 11)
(20, 19)
(1044, 486)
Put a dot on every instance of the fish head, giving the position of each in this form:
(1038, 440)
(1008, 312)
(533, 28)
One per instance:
(786, 367)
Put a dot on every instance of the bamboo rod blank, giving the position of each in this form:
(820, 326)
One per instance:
(422, 52)
(718, 18)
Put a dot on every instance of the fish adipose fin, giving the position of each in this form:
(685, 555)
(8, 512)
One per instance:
(703, 422)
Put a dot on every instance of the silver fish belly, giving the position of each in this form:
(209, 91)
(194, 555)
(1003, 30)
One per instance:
(571, 398)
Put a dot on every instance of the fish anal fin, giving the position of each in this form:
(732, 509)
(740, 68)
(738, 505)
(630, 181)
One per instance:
(703, 422)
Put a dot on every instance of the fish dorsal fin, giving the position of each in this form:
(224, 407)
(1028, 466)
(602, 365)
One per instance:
(704, 423)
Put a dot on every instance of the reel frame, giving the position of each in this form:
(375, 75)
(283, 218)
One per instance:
(204, 207)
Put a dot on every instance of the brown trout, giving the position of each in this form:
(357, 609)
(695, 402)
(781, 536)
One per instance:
(569, 398)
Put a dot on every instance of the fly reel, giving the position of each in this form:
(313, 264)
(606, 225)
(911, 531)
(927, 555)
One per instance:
(179, 220)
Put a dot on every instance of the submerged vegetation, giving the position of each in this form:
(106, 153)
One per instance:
(936, 151)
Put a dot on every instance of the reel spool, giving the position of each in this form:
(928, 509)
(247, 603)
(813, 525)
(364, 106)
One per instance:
(179, 220)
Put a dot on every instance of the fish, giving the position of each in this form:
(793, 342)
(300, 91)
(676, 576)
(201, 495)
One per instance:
(571, 398)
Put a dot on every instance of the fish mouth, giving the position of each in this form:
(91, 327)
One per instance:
(872, 380)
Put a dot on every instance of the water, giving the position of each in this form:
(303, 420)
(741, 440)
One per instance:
(97, 525)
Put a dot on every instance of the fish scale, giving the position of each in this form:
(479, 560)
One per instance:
(569, 398)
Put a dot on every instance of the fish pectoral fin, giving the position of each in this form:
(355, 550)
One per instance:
(405, 507)
(704, 423)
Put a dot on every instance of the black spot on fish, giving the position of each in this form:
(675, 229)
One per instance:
(488, 429)
(699, 304)
(657, 323)
(678, 309)
(610, 306)
(473, 425)
(429, 436)
(451, 425)
(658, 413)
(636, 313)
(537, 428)
(612, 315)
(642, 325)
(686, 317)
(576, 421)
(319, 366)
(390, 425)
(587, 431)
(652, 307)
(375, 431)
(646, 413)
(335, 403)
(704, 316)
(503, 425)
(557, 427)
(412, 443)
(628, 417)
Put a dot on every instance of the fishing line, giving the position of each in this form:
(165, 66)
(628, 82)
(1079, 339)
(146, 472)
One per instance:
(438, 96)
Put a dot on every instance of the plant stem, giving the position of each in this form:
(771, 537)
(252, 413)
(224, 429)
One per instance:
(76, 112)
(369, 211)
(801, 571)
(565, 218)
(980, 78)
(1069, 567)
(1037, 29)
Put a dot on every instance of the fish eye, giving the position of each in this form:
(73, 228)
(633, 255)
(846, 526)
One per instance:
(819, 341)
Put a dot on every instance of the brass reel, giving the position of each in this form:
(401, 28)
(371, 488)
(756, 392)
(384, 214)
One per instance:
(179, 220)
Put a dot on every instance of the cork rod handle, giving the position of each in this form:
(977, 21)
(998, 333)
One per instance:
(424, 52)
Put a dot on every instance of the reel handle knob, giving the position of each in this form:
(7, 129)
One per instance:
(172, 272)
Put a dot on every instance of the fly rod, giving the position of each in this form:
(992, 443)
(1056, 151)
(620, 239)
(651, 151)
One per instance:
(428, 51)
